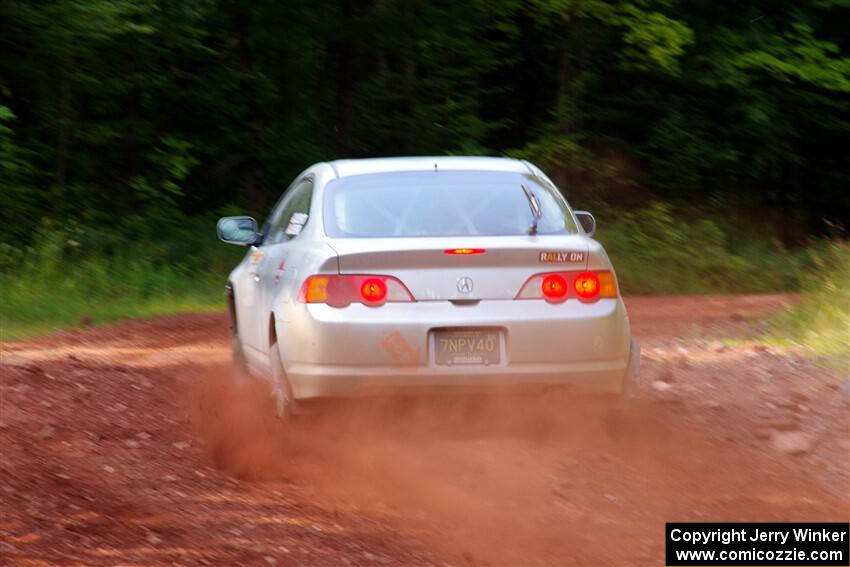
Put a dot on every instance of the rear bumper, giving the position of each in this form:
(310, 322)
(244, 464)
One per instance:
(329, 352)
(315, 381)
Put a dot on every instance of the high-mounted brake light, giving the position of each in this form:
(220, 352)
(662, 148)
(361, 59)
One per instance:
(464, 251)
(556, 287)
(341, 291)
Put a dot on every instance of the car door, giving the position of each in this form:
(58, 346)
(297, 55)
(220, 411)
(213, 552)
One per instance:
(289, 219)
(245, 282)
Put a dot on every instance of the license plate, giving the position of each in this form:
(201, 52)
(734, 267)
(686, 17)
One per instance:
(467, 346)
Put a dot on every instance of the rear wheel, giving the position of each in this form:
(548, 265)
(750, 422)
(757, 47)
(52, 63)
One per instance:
(284, 402)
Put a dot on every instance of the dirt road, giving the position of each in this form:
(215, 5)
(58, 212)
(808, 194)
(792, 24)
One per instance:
(129, 445)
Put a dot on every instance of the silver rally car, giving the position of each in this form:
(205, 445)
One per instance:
(379, 275)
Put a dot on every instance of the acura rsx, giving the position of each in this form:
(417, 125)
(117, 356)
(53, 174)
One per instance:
(393, 274)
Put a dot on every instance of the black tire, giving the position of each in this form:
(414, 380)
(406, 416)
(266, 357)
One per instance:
(284, 401)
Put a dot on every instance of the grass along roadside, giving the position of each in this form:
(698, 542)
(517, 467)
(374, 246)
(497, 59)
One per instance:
(40, 309)
(80, 314)
(659, 250)
(820, 322)
(70, 277)
(63, 280)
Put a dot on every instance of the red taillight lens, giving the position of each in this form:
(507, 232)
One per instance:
(587, 285)
(341, 291)
(464, 251)
(373, 290)
(554, 287)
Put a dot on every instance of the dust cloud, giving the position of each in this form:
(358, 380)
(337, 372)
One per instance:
(489, 473)
(544, 479)
(122, 451)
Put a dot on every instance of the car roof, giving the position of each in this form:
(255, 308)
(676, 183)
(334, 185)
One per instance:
(349, 167)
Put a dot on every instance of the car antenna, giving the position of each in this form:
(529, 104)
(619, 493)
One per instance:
(534, 205)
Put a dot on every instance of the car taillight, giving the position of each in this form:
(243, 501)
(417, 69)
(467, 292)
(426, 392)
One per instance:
(340, 291)
(587, 285)
(556, 287)
(607, 284)
(373, 290)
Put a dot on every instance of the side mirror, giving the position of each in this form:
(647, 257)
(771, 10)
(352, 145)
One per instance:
(588, 223)
(237, 230)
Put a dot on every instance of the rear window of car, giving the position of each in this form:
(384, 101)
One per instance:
(443, 203)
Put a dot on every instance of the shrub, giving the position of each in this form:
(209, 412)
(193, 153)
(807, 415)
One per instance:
(656, 251)
(66, 272)
(821, 321)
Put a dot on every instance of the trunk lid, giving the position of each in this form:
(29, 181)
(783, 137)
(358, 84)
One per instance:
(433, 275)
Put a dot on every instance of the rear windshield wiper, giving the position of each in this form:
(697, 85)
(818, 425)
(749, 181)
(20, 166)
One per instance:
(534, 205)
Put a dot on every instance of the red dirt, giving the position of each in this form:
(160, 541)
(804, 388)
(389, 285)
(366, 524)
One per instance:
(129, 444)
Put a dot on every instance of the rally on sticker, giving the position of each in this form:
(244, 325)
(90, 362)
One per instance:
(562, 257)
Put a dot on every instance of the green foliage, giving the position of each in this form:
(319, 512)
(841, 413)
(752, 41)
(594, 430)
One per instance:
(652, 39)
(658, 251)
(124, 107)
(799, 55)
(171, 162)
(67, 273)
(821, 321)
(556, 150)
(137, 118)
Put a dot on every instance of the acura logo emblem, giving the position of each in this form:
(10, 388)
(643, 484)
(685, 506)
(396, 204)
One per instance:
(464, 284)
